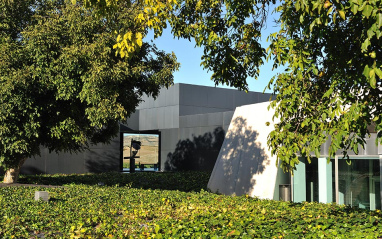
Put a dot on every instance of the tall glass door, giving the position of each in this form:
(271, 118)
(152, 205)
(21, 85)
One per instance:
(358, 183)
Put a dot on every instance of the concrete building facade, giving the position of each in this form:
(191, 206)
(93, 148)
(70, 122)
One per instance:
(246, 166)
(191, 119)
(205, 128)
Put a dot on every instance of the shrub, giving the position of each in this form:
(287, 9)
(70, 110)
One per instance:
(136, 209)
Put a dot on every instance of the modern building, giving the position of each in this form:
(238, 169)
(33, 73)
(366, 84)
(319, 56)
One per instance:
(189, 127)
(246, 166)
(190, 120)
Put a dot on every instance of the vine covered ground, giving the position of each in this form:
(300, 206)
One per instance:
(166, 205)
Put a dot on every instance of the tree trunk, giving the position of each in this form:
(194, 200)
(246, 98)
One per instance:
(12, 174)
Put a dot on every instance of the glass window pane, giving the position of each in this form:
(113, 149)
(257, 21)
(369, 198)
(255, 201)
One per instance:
(359, 183)
(146, 155)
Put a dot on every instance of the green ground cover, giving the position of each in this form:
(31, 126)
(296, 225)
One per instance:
(167, 205)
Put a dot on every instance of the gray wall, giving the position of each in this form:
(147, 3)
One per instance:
(203, 99)
(161, 113)
(100, 158)
(192, 120)
(196, 143)
(184, 99)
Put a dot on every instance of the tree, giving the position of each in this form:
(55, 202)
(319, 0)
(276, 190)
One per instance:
(331, 88)
(61, 84)
(331, 50)
(229, 32)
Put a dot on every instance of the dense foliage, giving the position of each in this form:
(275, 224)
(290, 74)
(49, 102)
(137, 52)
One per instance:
(332, 87)
(61, 84)
(228, 31)
(126, 207)
(330, 90)
(331, 50)
(185, 181)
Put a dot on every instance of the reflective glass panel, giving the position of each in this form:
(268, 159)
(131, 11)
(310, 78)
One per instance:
(140, 151)
(359, 183)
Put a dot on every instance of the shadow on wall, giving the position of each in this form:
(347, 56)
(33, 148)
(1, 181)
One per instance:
(242, 158)
(31, 170)
(198, 154)
(100, 163)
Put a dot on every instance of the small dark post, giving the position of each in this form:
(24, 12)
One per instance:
(132, 165)
(137, 146)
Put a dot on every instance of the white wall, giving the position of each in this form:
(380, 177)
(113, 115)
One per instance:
(245, 164)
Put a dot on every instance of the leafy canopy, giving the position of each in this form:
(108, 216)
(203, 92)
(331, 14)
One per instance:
(331, 88)
(331, 50)
(229, 32)
(61, 84)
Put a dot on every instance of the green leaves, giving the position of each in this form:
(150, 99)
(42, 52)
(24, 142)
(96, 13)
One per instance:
(229, 32)
(61, 85)
(372, 74)
(367, 10)
(379, 20)
(332, 80)
(141, 207)
(342, 14)
(330, 49)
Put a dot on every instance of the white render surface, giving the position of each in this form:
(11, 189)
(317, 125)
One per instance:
(244, 164)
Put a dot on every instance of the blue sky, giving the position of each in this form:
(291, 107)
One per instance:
(189, 57)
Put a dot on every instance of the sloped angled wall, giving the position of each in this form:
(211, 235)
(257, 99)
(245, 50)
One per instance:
(244, 164)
